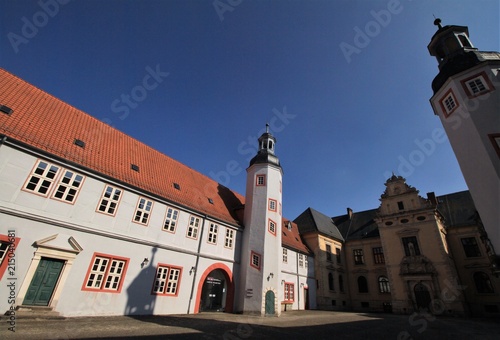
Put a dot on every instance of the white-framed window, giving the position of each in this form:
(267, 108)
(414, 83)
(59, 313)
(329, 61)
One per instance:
(449, 103)
(106, 273)
(193, 226)
(228, 241)
(171, 216)
(272, 227)
(285, 255)
(306, 262)
(167, 280)
(301, 260)
(143, 211)
(212, 233)
(42, 177)
(255, 260)
(289, 290)
(272, 204)
(68, 187)
(109, 200)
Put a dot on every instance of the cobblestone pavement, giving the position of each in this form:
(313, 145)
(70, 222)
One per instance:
(313, 325)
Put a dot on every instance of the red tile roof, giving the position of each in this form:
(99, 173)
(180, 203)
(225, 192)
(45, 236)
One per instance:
(290, 238)
(47, 123)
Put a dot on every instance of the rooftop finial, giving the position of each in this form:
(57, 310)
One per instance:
(437, 22)
(267, 127)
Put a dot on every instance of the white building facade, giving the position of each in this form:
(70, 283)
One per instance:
(92, 222)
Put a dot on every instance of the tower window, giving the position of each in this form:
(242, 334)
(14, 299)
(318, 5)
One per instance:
(260, 180)
(448, 103)
(272, 204)
(255, 260)
(495, 140)
(477, 85)
(401, 206)
(272, 227)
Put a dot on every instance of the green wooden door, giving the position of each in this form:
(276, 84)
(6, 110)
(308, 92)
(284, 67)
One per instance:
(44, 282)
(270, 303)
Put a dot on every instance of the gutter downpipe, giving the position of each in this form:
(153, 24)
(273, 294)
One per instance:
(298, 283)
(196, 263)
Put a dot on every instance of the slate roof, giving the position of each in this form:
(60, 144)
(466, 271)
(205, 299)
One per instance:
(458, 209)
(46, 123)
(360, 225)
(291, 238)
(311, 220)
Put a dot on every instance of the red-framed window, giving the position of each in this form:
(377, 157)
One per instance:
(171, 216)
(477, 85)
(68, 187)
(271, 227)
(495, 141)
(143, 211)
(167, 280)
(255, 260)
(448, 103)
(110, 199)
(260, 180)
(289, 292)
(106, 273)
(8, 246)
(41, 178)
(273, 205)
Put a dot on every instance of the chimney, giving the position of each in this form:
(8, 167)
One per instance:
(349, 212)
(432, 198)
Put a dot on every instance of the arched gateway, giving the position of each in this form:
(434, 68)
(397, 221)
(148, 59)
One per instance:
(215, 290)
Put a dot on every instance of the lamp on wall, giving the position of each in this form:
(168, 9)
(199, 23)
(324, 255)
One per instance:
(192, 270)
(144, 262)
(271, 275)
(282, 282)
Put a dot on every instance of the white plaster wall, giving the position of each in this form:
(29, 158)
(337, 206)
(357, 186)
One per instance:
(97, 232)
(467, 129)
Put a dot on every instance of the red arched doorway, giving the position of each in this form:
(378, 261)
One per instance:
(217, 268)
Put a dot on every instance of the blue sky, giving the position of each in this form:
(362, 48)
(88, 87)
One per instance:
(344, 84)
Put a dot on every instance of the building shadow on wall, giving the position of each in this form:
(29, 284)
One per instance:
(231, 201)
(140, 300)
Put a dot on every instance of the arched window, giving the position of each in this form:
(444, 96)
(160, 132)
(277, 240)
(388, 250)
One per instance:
(362, 284)
(383, 285)
(341, 283)
(330, 281)
(483, 283)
